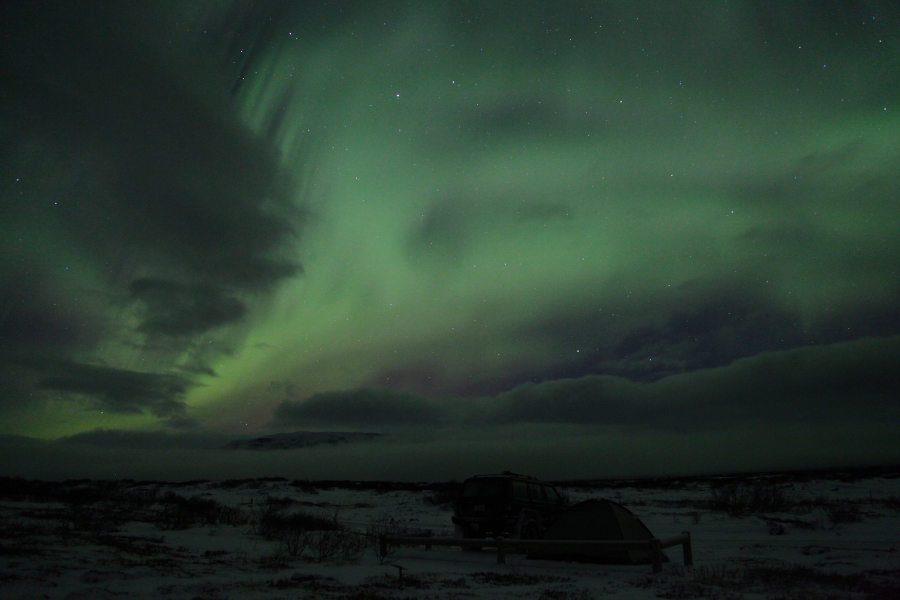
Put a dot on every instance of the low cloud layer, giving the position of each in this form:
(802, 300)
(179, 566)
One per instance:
(847, 382)
(149, 440)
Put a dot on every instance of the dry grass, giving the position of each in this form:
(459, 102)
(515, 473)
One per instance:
(774, 580)
(384, 524)
(507, 579)
(305, 536)
(745, 499)
(741, 499)
(442, 498)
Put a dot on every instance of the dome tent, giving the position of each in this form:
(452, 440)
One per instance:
(597, 519)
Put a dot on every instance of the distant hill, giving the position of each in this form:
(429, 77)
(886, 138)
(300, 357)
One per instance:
(300, 439)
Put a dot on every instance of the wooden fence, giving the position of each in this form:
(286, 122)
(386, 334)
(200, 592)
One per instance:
(654, 546)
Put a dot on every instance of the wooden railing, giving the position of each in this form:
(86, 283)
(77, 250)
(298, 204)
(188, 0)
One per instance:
(653, 546)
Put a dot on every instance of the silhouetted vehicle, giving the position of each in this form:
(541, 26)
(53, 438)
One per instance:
(508, 505)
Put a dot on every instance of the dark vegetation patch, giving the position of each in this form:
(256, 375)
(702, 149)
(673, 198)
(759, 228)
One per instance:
(21, 548)
(798, 523)
(785, 582)
(836, 510)
(133, 544)
(304, 535)
(507, 579)
(88, 505)
(742, 499)
(391, 582)
(365, 594)
(374, 588)
(441, 498)
(384, 524)
(377, 486)
(843, 511)
(890, 502)
(251, 484)
(563, 594)
(17, 488)
(849, 475)
(274, 519)
(308, 581)
(451, 583)
(676, 503)
(178, 512)
(418, 581)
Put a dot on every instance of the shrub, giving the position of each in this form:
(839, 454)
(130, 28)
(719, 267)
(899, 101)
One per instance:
(739, 500)
(442, 498)
(843, 511)
(295, 543)
(836, 511)
(507, 579)
(384, 524)
(784, 581)
(273, 521)
(305, 486)
(16, 488)
(232, 515)
(335, 544)
(891, 502)
(179, 512)
(276, 558)
(302, 535)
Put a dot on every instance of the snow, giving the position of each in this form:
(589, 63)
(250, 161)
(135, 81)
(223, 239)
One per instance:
(60, 545)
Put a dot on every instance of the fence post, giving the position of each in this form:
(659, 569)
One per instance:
(656, 554)
(501, 552)
(688, 551)
(428, 534)
(382, 545)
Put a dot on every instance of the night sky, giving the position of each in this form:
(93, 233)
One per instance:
(571, 238)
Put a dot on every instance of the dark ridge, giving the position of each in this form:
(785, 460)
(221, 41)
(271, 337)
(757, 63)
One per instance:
(14, 488)
(379, 486)
(845, 475)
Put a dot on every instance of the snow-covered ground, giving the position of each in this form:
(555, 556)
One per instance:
(832, 537)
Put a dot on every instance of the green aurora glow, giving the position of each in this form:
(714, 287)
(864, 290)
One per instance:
(481, 195)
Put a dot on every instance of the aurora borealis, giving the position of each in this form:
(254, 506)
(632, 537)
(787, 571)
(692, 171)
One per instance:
(535, 229)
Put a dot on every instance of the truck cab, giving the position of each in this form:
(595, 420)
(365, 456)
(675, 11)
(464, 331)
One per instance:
(506, 505)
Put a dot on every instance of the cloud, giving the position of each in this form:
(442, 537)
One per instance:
(442, 232)
(111, 389)
(137, 211)
(360, 408)
(144, 227)
(176, 309)
(453, 224)
(120, 438)
(551, 452)
(848, 382)
(700, 324)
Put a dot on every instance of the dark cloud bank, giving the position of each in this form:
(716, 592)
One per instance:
(122, 156)
(842, 383)
(809, 407)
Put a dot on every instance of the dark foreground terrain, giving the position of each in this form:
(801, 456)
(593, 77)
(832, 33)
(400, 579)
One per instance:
(786, 536)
